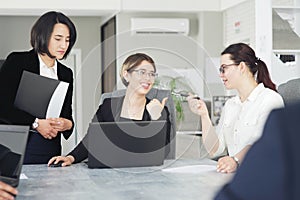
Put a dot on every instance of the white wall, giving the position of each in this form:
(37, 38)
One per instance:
(109, 7)
(239, 23)
(263, 32)
(69, 7)
(106, 7)
(170, 5)
(14, 34)
(283, 2)
(211, 39)
(225, 4)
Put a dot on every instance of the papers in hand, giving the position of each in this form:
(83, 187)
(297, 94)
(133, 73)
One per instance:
(192, 169)
(40, 96)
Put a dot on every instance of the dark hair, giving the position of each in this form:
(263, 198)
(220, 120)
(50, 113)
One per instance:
(241, 52)
(132, 62)
(43, 28)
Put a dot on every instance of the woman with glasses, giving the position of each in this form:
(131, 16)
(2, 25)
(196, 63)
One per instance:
(243, 116)
(138, 74)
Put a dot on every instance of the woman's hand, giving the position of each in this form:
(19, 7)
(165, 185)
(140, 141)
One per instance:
(154, 107)
(46, 130)
(226, 164)
(67, 160)
(60, 124)
(6, 191)
(197, 106)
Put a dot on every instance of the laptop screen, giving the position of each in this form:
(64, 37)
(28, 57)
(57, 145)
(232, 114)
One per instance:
(13, 140)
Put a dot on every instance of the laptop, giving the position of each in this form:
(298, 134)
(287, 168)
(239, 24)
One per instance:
(126, 144)
(13, 140)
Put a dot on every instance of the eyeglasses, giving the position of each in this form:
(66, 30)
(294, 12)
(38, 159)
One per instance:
(223, 67)
(144, 73)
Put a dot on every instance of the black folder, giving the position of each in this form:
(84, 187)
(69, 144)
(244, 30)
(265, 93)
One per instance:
(36, 92)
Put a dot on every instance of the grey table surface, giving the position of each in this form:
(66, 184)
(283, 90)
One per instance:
(80, 182)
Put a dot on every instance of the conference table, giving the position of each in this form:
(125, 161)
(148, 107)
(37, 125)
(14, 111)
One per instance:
(176, 179)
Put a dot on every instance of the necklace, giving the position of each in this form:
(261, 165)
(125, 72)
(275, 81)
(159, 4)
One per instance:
(133, 111)
(137, 113)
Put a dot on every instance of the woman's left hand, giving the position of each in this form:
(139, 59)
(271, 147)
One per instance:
(155, 107)
(226, 164)
(61, 124)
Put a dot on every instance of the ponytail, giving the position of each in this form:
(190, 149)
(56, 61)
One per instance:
(263, 75)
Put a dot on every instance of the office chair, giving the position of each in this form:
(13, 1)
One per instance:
(158, 94)
(290, 91)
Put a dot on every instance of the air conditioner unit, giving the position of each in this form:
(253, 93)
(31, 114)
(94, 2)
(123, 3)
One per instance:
(160, 26)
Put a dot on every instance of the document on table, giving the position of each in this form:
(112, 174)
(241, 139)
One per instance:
(191, 169)
(23, 176)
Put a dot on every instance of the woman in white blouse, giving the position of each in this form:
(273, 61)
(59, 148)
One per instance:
(243, 116)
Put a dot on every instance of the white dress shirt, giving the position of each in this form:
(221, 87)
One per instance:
(50, 72)
(242, 123)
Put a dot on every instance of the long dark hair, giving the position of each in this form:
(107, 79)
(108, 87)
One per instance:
(241, 52)
(43, 28)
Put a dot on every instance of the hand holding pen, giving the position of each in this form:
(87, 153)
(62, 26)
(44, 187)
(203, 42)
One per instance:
(197, 105)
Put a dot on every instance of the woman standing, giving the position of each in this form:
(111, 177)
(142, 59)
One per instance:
(52, 38)
(243, 116)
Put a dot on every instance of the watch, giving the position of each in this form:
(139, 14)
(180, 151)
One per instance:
(236, 160)
(35, 124)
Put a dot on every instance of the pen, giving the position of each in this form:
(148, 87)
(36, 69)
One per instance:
(184, 94)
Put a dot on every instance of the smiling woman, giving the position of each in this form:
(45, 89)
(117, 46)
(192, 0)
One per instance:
(138, 75)
(243, 116)
(52, 38)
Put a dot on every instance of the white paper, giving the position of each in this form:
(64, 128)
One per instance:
(192, 169)
(23, 176)
(57, 100)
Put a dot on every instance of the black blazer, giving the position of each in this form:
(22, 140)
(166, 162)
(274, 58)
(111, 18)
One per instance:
(270, 170)
(110, 111)
(39, 150)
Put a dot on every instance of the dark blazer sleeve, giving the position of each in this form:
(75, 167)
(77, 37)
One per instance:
(10, 75)
(262, 175)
